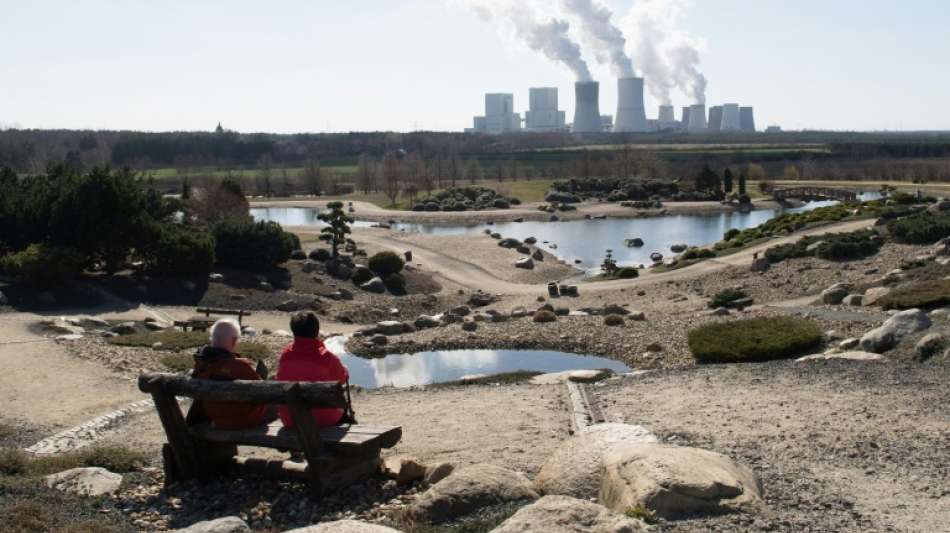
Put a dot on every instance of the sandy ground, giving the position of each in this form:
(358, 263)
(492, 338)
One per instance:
(839, 446)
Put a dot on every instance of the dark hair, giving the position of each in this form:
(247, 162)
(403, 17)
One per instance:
(305, 324)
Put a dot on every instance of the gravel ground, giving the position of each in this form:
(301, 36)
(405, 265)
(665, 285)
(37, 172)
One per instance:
(838, 445)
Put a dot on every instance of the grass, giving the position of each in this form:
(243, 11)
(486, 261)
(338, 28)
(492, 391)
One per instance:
(6, 431)
(505, 378)
(113, 458)
(727, 298)
(171, 340)
(931, 293)
(640, 512)
(754, 339)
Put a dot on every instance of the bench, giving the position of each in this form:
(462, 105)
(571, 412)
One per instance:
(202, 323)
(335, 456)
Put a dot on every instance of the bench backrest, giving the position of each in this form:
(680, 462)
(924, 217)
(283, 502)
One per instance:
(309, 394)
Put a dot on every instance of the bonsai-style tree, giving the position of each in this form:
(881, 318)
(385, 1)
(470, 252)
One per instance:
(338, 226)
(609, 266)
(727, 181)
(742, 184)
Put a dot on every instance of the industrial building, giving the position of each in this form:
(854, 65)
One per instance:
(499, 115)
(543, 114)
(715, 118)
(587, 107)
(667, 118)
(746, 120)
(631, 113)
(730, 118)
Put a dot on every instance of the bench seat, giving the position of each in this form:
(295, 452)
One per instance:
(345, 440)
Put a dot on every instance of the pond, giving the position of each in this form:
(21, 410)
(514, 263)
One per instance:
(584, 242)
(407, 370)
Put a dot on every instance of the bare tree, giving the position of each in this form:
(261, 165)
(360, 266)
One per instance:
(392, 174)
(313, 177)
(264, 175)
(473, 171)
(366, 174)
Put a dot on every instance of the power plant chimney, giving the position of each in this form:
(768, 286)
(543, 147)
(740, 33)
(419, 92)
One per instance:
(684, 124)
(746, 120)
(631, 113)
(715, 118)
(697, 118)
(730, 118)
(667, 117)
(587, 107)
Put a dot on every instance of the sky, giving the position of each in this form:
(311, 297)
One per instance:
(290, 66)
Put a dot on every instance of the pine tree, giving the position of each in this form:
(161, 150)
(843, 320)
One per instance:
(742, 184)
(727, 181)
(338, 226)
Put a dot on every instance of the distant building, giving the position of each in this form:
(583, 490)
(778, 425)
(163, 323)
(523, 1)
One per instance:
(499, 115)
(773, 129)
(607, 123)
(543, 114)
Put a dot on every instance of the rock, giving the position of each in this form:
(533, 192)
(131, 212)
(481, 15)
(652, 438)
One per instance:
(92, 481)
(853, 300)
(157, 326)
(462, 310)
(526, 263)
(929, 346)
(674, 481)
(427, 321)
(496, 236)
(3, 299)
(886, 336)
(469, 489)
(577, 376)
(265, 286)
(344, 294)
(405, 470)
(568, 290)
(125, 328)
(378, 339)
(656, 257)
(70, 337)
(298, 255)
(436, 473)
(481, 299)
(563, 514)
(390, 327)
(614, 309)
(849, 343)
(835, 294)
(635, 242)
(538, 255)
(637, 316)
(309, 266)
(469, 325)
(344, 526)
(678, 248)
(760, 264)
(319, 254)
(65, 328)
(214, 277)
(575, 467)
(531, 240)
(280, 333)
(719, 311)
(519, 312)
(852, 356)
(871, 296)
(374, 285)
(228, 524)
(288, 306)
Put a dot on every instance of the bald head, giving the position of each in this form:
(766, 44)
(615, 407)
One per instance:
(225, 334)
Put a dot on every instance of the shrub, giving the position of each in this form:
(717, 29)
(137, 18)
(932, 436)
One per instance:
(931, 293)
(613, 320)
(361, 275)
(252, 245)
(386, 263)
(627, 273)
(43, 265)
(731, 234)
(921, 228)
(396, 283)
(179, 252)
(754, 339)
(171, 340)
(903, 198)
(13, 461)
(544, 315)
(726, 298)
(697, 253)
(832, 246)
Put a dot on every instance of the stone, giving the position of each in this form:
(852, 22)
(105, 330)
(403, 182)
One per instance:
(871, 296)
(3, 299)
(265, 286)
(481, 299)
(378, 339)
(678, 248)
(760, 264)
(675, 481)
(719, 311)
(125, 328)
(462, 310)
(835, 294)
(345, 294)
(215, 277)
(637, 316)
(427, 321)
(563, 514)
(519, 312)
(496, 235)
(886, 336)
(281, 333)
(91, 481)
(813, 247)
(525, 262)
(470, 489)
(851, 356)
(929, 346)
(635, 242)
(319, 254)
(288, 306)
(374, 285)
(523, 249)
(389, 327)
(298, 255)
(70, 337)
(344, 526)
(405, 470)
(849, 343)
(538, 255)
(574, 469)
(469, 325)
(309, 266)
(156, 326)
(438, 472)
(228, 524)
(853, 300)
(65, 328)
(614, 309)
(656, 257)
(577, 376)
(92, 322)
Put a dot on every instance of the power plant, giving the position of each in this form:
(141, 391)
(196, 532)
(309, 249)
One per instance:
(543, 114)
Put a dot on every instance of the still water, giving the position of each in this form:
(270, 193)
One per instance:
(407, 370)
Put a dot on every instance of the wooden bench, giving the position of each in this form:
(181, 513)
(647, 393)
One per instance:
(335, 456)
(202, 323)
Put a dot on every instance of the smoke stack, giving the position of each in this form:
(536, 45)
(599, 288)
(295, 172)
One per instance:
(746, 120)
(587, 107)
(684, 124)
(666, 117)
(697, 118)
(730, 117)
(631, 114)
(715, 118)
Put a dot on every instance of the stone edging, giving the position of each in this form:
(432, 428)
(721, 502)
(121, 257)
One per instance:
(88, 432)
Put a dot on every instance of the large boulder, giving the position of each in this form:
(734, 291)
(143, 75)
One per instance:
(125, 328)
(344, 526)
(469, 489)
(563, 514)
(835, 294)
(427, 321)
(886, 336)
(576, 376)
(575, 467)
(228, 524)
(374, 285)
(848, 356)
(871, 296)
(561, 197)
(929, 346)
(760, 264)
(390, 327)
(635, 242)
(404, 470)
(526, 263)
(675, 481)
(92, 481)
(509, 243)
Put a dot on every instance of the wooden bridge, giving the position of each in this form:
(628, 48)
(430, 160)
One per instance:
(815, 193)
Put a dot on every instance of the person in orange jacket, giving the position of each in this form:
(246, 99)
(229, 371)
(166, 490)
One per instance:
(220, 362)
(307, 359)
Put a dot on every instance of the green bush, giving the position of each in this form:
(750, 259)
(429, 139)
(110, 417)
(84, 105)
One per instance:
(627, 273)
(903, 198)
(697, 253)
(544, 315)
(252, 245)
(179, 252)
(386, 263)
(727, 297)
(754, 339)
(731, 234)
(613, 320)
(833, 246)
(930, 293)
(921, 228)
(361, 275)
(43, 265)
(396, 283)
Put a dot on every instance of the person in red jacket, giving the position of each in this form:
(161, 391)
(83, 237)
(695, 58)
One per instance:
(307, 359)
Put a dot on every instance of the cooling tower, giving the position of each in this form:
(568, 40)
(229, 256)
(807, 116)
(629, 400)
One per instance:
(684, 124)
(631, 114)
(667, 117)
(730, 117)
(715, 118)
(587, 107)
(697, 118)
(746, 120)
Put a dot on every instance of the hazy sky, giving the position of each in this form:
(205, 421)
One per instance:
(329, 65)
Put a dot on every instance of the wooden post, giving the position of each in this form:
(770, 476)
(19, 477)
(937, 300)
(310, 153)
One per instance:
(182, 446)
(309, 434)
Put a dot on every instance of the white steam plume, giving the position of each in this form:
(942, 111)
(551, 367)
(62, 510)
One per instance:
(548, 37)
(599, 30)
(667, 55)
